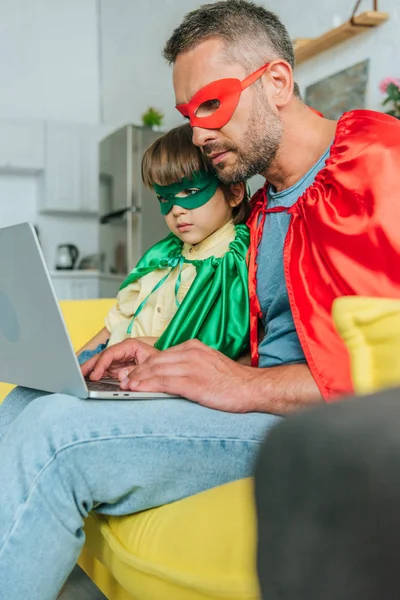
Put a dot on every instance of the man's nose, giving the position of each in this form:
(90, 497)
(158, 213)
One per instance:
(201, 136)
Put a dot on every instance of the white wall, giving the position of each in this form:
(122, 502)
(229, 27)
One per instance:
(49, 71)
(49, 60)
(381, 45)
(19, 197)
(134, 73)
(67, 229)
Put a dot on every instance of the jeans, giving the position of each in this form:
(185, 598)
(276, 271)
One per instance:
(62, 457)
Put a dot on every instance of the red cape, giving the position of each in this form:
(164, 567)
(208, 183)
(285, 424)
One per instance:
(343, 240)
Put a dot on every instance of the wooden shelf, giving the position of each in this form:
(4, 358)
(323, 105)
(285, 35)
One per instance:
(308, 48)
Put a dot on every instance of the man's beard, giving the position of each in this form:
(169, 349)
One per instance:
(258, 149)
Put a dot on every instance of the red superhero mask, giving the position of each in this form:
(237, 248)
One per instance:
(214, 104)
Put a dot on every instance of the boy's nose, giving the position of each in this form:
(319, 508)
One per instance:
(178, 210)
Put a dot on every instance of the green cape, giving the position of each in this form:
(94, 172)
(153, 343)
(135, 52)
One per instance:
(216, 308)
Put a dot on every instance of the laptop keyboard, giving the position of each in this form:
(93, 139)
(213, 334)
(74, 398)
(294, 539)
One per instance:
(103, 385)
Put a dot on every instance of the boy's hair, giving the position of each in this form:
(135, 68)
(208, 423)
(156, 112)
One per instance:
(174, 156)
(252, 34)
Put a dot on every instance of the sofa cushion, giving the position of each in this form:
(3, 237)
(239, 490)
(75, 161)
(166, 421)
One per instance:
(199, 548)
(370, 328)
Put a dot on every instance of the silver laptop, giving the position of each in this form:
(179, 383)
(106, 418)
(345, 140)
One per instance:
(35, 348)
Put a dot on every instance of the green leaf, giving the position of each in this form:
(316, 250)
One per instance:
(152, 117)
(393, 92)
(386, 100)
(392, 113)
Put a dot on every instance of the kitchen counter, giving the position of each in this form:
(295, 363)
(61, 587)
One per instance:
(67, 273)
(77, 284)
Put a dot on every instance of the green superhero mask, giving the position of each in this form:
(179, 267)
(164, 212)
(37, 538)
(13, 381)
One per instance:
(203, 184)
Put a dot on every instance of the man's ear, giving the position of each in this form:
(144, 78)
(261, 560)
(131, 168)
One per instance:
(279, 83)
(237, 193)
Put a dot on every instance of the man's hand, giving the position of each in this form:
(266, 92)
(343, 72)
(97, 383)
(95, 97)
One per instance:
(194, 371)
(125, 355)
(201, 374)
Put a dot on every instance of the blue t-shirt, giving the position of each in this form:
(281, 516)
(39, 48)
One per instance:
(280, 344)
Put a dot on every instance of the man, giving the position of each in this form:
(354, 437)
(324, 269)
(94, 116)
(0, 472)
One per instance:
(62, 457)
(332, 203)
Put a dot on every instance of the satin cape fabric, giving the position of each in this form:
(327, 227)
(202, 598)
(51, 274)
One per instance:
(216, 308)
(343, 240)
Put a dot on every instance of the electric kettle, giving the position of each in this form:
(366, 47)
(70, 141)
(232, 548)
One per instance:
(67, 255)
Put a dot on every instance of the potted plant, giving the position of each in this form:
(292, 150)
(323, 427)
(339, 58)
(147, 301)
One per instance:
(152, 118)
(391, 87)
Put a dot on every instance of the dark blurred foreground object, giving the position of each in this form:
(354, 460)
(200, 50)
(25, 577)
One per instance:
(328, 503)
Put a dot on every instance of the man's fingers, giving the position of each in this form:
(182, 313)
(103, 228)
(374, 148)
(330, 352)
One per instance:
(123, 372)
(118, 353)
(116, 367)
(167, 357)
(159, 368)
(127, 352)
(130, 351)
(87, 366)
(176, 386)
(144, 352)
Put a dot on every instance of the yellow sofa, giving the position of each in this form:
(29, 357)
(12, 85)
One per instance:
(203, 547)
(200, 548)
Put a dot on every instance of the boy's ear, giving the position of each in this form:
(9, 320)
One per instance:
(237, 193)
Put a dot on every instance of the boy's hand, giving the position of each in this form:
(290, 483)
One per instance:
(126, 355)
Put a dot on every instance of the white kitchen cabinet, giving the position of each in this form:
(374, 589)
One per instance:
(89, 145)
(22, 145)
(62, 172)
(83, 285)
(71, 169)
(75, 285)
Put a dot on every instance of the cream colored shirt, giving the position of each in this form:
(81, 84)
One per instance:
(161, 306)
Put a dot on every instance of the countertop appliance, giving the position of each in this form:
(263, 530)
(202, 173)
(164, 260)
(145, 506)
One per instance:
(67, 256)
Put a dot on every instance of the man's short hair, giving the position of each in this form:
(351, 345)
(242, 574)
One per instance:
(252, 34)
